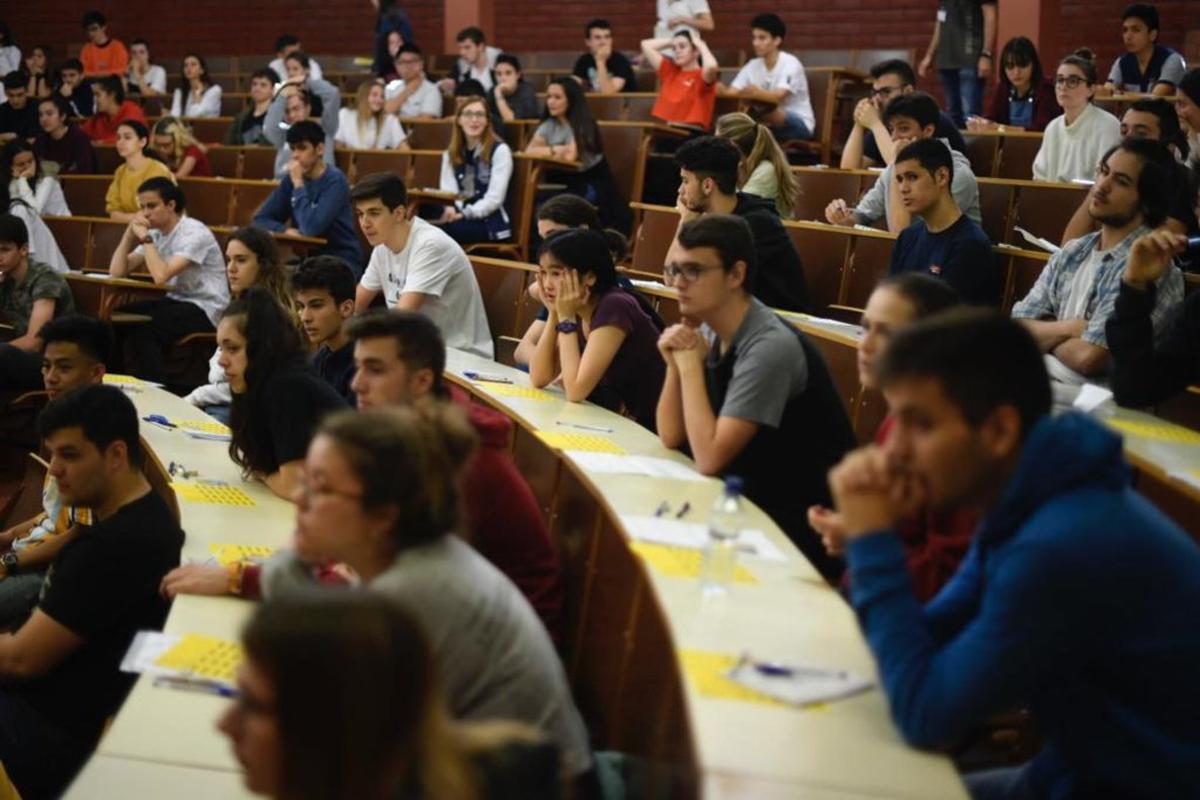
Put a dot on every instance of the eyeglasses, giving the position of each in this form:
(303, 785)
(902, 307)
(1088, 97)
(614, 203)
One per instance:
(689, 272)
(311, 491)
(1070, 81)
(885, 91)
(474, 114)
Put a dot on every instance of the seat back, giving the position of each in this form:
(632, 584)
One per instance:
(425, 170)
(995, 207)
(819, 187)
(226, 162)
(209, 200)
(85, 194)
(1044, 209)
(210, 129)
(983, 149)
(248, 196)
(824, 252)
(258, 163)
(1017, 153)
(74, 237)
(868, 265)
(653, 238)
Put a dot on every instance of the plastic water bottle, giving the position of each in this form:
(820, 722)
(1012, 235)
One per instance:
(724, 526)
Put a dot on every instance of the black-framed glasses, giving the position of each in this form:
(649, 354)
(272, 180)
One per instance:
(886, 91)
(1070, 81)
(689, 272)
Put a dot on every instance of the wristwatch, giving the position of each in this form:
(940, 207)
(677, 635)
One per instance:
(567, 326)
(10, 562)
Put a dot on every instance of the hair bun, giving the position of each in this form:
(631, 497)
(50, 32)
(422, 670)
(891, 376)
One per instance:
(1085, 52)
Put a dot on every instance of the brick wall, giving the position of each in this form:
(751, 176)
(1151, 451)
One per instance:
(1097, 24)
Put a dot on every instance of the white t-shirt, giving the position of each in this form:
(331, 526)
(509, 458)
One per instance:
(678, 8)
(424, 102)
(368, 138)
(434, 264)
(484, 76)
(156, 78)
(203, 282)
(209, 104)
(788, 74)
(314, 69)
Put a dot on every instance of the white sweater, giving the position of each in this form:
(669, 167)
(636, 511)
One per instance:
(370, 138)
(48, 200)
(216, 392)
(1070, 152)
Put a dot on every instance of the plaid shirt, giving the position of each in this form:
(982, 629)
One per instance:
(1048, 297)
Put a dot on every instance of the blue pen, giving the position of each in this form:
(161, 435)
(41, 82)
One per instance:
(159, 419)
(195, 685)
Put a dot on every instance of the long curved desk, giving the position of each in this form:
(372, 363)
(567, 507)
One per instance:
(637, 643)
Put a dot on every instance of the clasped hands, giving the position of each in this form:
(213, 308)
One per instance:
(871, 493)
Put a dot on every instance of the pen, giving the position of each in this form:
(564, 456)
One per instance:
(160, 421)
(582, 427)
(663, 508)
(483, 376)
(195, 685)
(684, 509)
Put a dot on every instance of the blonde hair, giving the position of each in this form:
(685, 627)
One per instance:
(757, 144)
(458, 142)
(365, 114)
(181, 137)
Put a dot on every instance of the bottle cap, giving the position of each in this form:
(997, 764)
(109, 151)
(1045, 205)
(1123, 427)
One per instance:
(733, 484)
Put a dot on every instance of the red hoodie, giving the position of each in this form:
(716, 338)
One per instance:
(103, 127)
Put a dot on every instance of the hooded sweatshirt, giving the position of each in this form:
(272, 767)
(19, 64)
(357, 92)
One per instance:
(779, 276)
(1078, 598)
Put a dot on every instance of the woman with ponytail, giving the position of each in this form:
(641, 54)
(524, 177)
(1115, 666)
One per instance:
(597, 335)
(765, 169)
(133, 140)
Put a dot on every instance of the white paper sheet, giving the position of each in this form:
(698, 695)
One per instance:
(1091, 397)
(694, 535)
(612, 464)
(798, 685)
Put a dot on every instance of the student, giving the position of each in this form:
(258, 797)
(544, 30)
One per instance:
(1068, 308)
(144, 78)
(687, 79)
(112, 109)
(382, 496)
(10, 54)
(909, 117)
(180, 252)
(196, 95)
(691, 16)
(1151, 118)
(37, 67)
(477, 168)
(277, 399)
(393, 30)
(870, 143)
(559, 213)
(42, 193)
(301, 99)
(18, 116)
(476, 59)
(1022, 623)
(74, 89)
(774, 83)
(61, 142)
(384, 65)
(42, 245)
(323, 293)
(1023, 99)
(31, 294)
(74, 352)
(759, 396)
(121, 201)
(943, 242)
(964, 41)
(1146, 66)
(603, 68)
(178, 149)
(413, 94)
(569, 132)
(285, 45)
(417, 266)
(247, 125)
(512, 97)
(708, 170)
(252, 258)
(391, 722)
(61, 668)
(102, 56)
(1072, 143)
(1187, 106)
(367, 126)
(765, 167)
(934, 541)
(313, 195)
(598, 338)
(1144, 372)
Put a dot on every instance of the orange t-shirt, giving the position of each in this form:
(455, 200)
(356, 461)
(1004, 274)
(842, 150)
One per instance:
(683, 96)
(110, 59)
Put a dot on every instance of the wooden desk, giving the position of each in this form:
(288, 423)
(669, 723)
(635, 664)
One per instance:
(98, 296)
(108, 778)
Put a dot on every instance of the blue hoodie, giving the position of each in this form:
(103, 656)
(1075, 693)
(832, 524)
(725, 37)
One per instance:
(1077, 598)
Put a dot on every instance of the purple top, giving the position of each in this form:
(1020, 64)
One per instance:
(636, 374)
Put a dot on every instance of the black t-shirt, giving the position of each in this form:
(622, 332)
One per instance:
(291, 405)
(103, 586)
(961, 255)
(946, 129)
(779, 279)
(618, 67)
(22, 122)
(336, 367)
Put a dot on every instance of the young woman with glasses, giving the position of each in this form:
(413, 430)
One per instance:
(1074, 142)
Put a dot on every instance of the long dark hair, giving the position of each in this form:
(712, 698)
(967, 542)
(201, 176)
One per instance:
(1020, 51)
(272, 345)
(142, 132)
(382, 728)
(576, 212)
(8, 155)
(185, 85)
(579, 116)
(587, 252)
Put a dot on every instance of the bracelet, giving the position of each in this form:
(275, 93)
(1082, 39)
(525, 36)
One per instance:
(235, 571)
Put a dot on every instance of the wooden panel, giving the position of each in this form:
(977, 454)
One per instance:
(85, 194)
(501, 288)
(538, 465)
(211, 129)
(1023, 273)
(573, 529)
(638, 106)
(819, 187)
(106, 235)
(429, 134)
(823, 253)
(368, 161)
(226, 162)
(258, 163)
(1044, 209)
(868, 264)
(426, 170)
(1016, 157)
(232, 104)
(344, 159)
(248, 196)
(620, 145)
(208, 199)
(654, 237)
(842, 360)
(73, 236)
(983, 150)
(607, 106)
(995, 206)
(107, 159)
